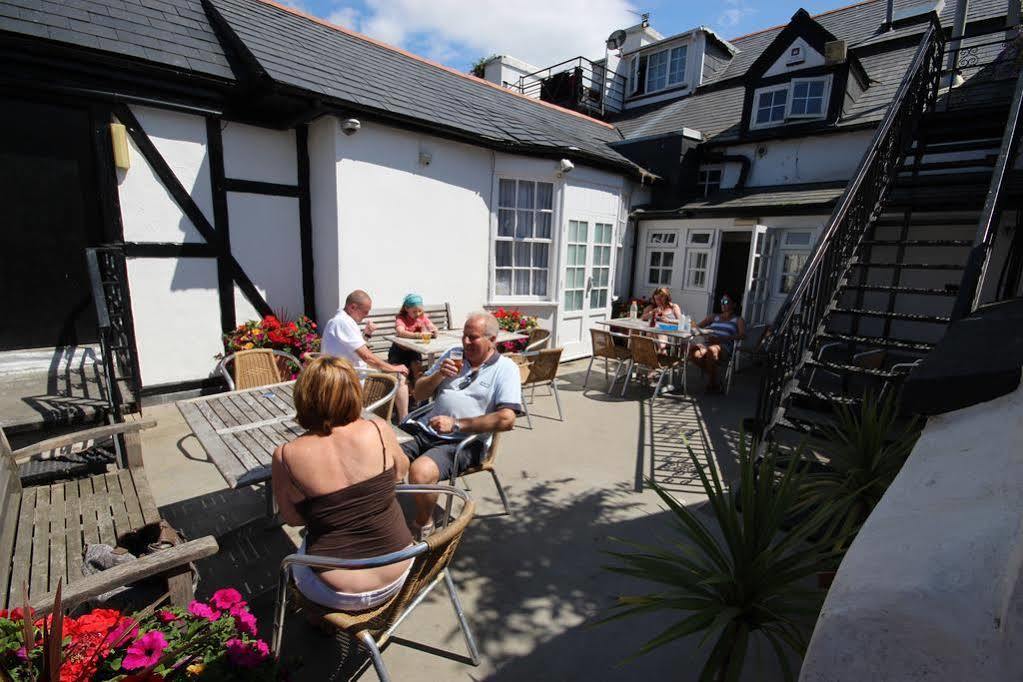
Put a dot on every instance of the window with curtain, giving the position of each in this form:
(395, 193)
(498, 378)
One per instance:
(522, 245)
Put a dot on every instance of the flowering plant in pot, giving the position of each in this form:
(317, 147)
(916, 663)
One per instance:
(298, 337)
(514, 321)
(215, 639)
(620, 308)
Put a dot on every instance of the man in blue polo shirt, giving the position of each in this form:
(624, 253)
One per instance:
(482, 396)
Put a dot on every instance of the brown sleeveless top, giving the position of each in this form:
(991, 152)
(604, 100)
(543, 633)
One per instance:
(357, 522)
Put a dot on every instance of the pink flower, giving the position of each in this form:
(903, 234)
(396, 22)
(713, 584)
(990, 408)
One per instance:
(145, 651)
(197, 608)
(21, 654)
(126, 629)
(226, 598)
(247, 654)
(245, 622)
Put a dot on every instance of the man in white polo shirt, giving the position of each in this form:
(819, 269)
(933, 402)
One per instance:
(482, 395)
(343, 338)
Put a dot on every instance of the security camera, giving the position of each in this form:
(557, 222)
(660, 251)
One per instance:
(566, 166)
(350, 126)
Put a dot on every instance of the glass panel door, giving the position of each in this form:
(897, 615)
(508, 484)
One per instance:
(575, 265)
(601, 275)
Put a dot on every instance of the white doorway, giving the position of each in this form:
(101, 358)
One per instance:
(586, 282)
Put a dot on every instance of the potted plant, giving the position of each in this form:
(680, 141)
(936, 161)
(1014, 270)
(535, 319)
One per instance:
(298, 337)
(752, 580)
(514, 321)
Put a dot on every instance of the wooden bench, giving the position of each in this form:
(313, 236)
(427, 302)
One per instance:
(383, 318)
(44, 529)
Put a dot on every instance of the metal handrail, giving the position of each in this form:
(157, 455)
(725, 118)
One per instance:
(977, 262)
(612, 86)
(803, 312)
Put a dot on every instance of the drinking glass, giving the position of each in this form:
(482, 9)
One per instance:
(425, 336)
(456, 357)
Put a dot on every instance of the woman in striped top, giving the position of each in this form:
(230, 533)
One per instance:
(726, 328)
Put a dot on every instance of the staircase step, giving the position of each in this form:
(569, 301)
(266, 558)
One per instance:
(908, 266)
(982, 178)
(842, 368)
(924, 166)
(879, 342)
(916, 242)
(909, 317)
(901, 290)
(939, 147)
(917, 219)
(812, 395)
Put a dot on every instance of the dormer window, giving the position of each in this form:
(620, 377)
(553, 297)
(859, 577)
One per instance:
(800, 98)
(664, 69)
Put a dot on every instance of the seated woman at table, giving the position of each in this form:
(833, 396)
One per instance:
(725, 328)
(338, 480)
(661, 309)
(410, 323)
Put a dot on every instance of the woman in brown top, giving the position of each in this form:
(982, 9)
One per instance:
(338, 480)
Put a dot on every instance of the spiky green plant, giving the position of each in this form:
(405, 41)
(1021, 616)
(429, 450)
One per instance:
(866, 450)
(742, 576)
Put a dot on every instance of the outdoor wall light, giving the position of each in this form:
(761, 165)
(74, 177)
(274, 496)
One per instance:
(119, 141)
(350, 126)
(565, 166)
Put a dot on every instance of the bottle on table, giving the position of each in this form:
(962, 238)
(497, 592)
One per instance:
(633, 311)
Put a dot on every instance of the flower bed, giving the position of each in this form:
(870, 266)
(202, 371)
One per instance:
(297, 337)
(514, 321)
(212, 640)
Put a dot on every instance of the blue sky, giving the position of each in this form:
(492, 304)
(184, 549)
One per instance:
(541, 32)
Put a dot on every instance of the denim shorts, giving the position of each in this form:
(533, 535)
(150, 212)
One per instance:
(314, 589)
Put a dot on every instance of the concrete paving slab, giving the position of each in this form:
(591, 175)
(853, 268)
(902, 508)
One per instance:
(532, 583)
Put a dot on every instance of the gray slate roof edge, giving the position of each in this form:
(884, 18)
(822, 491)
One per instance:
(700, 203)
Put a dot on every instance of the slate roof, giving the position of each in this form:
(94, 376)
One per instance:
(308, 54)
(174, 33)
(776, 197)
(715, 109)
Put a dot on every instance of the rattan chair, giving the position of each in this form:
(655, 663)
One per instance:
(543, 371)
(644, 354)
(538, 339)
(604, 346)
(487, 465)
(254, 368)
(378, 390)
(374, 628)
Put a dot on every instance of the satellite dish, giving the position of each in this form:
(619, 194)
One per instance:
(616, 40)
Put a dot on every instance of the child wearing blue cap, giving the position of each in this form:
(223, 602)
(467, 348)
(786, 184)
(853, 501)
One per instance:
(410, 323)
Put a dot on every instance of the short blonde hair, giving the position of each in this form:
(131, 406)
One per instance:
(327, 394)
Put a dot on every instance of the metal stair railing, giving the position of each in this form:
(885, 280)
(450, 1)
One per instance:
(802, 315)
(976, 264)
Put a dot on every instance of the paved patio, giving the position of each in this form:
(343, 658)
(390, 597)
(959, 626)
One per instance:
(532, 584)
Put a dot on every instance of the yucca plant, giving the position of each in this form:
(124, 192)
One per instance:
(866, 450)
(754, 579)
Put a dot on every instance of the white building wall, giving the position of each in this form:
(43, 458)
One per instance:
(324, 192)
(820, 158)
(262, 154)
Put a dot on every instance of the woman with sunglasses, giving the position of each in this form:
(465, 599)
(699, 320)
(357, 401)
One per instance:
(725, 329)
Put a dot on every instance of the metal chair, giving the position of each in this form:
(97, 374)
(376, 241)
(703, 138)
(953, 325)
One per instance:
(374, 628)
(254, 368)
(542, 371)
(644, 354)
(378, 391)
(488, 463)
(605, 347)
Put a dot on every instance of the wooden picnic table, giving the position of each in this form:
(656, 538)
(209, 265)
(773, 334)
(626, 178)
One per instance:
(240, 430)
(445, 340)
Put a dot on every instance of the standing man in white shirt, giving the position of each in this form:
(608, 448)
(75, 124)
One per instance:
(343, 338)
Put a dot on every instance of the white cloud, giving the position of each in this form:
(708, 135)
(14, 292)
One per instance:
(735, 14)
(540, 32)
(345, 16)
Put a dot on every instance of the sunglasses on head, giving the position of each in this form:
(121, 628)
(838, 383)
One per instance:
(725, 300)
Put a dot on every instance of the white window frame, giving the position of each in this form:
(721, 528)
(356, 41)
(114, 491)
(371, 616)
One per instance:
(824, 98)
(703, 179)
(787, 249)
(634, 75)
(669, 53)
(690, 241)
(661, 247)
(789, 88)
(552, 256)
(691, 255)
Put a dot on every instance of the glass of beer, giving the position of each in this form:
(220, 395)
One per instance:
(425, 335)
(456, 357)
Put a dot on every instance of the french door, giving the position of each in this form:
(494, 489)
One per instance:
(758, 288)
(586, 285)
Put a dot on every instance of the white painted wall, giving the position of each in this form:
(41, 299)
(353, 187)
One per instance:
(506, 70)
(931, 587)
(148, 212)
(811, 58)
(324, 192)
(176, 307)
(263, 154)
(820, 158)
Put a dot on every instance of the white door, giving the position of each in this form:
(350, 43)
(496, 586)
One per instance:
(758, 277)
(586, 285)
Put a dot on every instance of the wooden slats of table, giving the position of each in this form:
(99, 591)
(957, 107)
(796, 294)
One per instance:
(240, 430)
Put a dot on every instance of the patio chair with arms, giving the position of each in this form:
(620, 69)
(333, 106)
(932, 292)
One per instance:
(543, 371)
(378, 390)
(604, 346)
(487, 464)
(644, 354)
(254, 368)
(538, 339)
(374, 628)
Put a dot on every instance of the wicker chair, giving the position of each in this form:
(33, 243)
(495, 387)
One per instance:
(374, 628)
(604, 346)
(254, 368)
(378, 389)
(538, 339)
(644, 354)
(543, 371)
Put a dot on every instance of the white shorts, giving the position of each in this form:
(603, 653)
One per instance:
(314, 589)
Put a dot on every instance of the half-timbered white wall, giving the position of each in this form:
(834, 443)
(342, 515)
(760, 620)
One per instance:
(820, 158)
